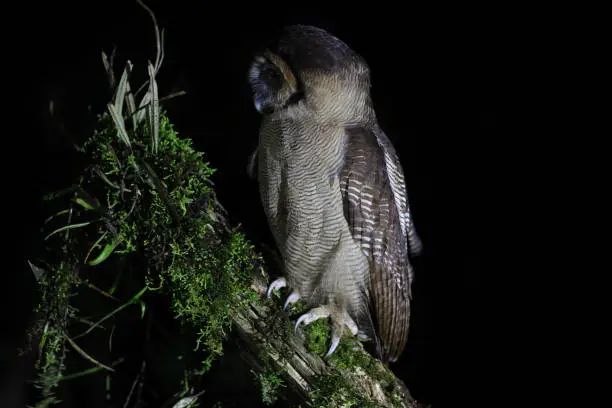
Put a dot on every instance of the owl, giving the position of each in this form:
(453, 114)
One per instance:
(333, 190)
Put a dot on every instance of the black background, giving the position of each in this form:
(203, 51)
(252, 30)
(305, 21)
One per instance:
(446, 81)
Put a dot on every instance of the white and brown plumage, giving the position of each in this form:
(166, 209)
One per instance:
(333, 189)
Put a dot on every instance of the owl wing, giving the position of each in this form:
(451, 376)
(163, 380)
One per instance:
(376, 209)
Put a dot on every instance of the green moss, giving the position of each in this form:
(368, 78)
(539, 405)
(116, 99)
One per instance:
(161, 206)
(318, 337)
(205, 281)
(271, 384)
(333, 389)
(55, 289)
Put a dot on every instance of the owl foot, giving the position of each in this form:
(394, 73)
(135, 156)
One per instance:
(337, 324)
(275, 285)
(292, 298)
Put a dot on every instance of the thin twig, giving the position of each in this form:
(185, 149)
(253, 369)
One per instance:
(87, 356)
(100, 291)
(172, 95)
(87, 321)
(110, 339)
(138, 193)
(141, 382)
(140, 373)
(158, 41)
(162, 99)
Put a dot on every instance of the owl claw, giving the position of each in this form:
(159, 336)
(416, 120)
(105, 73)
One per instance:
(293, 297)
(276, 284)
(363, 336)
(314, 314)
(334, 344)
(337, 326)
(348, 322)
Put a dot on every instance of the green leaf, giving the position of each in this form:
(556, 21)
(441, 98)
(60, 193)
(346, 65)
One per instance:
(94, 204)
(142, 108)
(106, 252)
(55, 215)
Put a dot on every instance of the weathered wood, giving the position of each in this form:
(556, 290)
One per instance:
(263, 335)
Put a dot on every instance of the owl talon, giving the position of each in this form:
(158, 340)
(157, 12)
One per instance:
(337, 332)
(311, 316)
(350, 323)
(363, 336)
(337, 325)
(275, 285)
(334, 344)
(293, 297)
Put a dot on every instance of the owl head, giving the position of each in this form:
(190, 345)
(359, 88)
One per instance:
(307, 68)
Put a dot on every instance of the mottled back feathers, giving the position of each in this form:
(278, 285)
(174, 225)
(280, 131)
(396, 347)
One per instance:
(373, 218)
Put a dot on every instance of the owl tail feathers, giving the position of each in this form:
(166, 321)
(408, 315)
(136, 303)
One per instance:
(415, 245)
(392, 332)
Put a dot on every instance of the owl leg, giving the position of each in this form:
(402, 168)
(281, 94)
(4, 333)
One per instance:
(275, 285)
(339, 320)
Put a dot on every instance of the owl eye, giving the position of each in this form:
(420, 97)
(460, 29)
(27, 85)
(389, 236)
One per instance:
(271, 77)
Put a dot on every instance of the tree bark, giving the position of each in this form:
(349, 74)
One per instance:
(264, 343)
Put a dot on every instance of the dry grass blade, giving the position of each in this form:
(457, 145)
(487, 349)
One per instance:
(131, 103)
(108, 67)
(37, 271)
(87, 356)
(122, 88)
(119, 124)
(153, 110)
(140, 113)
(160, 50)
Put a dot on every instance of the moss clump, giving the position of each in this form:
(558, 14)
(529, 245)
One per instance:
(333, 390)
(205, 281)
(271, 384)
(318, 337)
(144, 221)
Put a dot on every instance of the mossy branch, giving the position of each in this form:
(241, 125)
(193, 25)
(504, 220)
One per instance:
(350, 377)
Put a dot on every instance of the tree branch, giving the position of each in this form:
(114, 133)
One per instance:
(265, 336)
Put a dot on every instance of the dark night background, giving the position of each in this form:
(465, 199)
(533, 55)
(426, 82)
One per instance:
(444, 84)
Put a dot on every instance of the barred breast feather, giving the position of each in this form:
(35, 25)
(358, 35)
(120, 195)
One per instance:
(300, 190)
